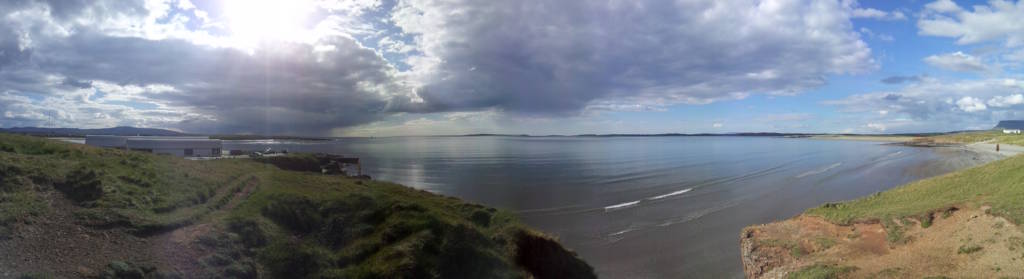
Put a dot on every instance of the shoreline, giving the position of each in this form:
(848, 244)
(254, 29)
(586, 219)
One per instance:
(879, 138)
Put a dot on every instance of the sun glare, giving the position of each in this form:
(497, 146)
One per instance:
(255, 21)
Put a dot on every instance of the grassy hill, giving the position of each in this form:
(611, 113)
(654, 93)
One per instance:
(75, 211)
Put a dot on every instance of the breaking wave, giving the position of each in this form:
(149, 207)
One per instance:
(819, 171)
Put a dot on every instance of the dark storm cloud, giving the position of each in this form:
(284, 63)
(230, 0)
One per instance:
(76, 83)
(288, 89)
(561, 56)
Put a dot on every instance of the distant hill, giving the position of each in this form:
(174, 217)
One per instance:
(1010, 124)
(75, 132)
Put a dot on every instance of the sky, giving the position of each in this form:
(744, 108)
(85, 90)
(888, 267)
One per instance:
(442, 67)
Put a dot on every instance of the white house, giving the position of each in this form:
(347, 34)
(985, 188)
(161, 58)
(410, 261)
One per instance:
(1011, 131)
(188, 146)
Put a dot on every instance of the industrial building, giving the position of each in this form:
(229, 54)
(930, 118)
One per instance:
(185, 146)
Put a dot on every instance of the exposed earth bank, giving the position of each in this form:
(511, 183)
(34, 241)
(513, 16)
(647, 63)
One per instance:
(959, 225)
(959, 243)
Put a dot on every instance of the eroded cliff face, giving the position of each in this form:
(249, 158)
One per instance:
(964, 243)
(758, 259)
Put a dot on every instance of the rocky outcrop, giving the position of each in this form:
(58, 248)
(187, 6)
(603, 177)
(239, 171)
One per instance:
(758, 259)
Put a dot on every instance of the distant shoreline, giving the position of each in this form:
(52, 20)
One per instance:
(884, 138)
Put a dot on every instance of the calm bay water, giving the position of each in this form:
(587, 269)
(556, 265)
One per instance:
(641, 207)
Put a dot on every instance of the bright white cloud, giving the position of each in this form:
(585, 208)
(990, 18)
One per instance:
(957, 61)
(971, 104)
(878, 14)
(876, 126)
(1006, 101)
(992, 22)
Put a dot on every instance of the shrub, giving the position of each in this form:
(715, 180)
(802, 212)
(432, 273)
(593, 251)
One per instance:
(462, 255)
(481, 218)
(82, 185)
(241, 270)
(9, 175)
(296, 213)
(249, 232)
(968, 249)
(286, 259)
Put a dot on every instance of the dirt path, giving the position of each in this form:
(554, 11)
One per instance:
(55, 244)
(178, 249)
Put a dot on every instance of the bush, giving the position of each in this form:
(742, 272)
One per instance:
(249, 232)
(481, 218)
(241, 270)
(968, 249)
(296, 213)
(82, 185)
(9, 177)
(463, 255)
(286, 259)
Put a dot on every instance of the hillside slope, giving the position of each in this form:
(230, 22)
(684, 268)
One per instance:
(75, 211)
(960, 224)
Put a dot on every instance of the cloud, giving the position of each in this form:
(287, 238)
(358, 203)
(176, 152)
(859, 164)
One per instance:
(557, 58)
(880, 127)
(878, 14)
(971, 104)
(992, 22)
(1006, 101)
(173, 64)
(784, 117)
(901, 79)
(943, 6)
(716, 125)
(935, 105)
(880, 36)
(957, 61)
(287, 87)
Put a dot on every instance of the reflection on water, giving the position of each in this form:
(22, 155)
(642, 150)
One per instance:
(639, 206)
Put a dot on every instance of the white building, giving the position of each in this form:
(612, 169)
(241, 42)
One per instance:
(1011, 131)
(189, 146)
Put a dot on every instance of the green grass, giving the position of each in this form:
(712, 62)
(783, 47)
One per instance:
(293, 224)
(998, 184)
(821, 271)
(996, 136)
